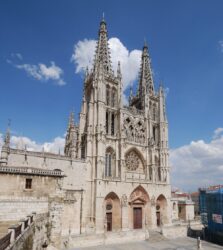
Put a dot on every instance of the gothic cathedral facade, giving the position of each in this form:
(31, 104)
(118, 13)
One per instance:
(125, 147)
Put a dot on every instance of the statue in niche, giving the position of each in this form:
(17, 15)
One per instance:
(124, 200)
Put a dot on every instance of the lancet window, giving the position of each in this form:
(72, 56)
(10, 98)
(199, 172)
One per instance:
(109, 162)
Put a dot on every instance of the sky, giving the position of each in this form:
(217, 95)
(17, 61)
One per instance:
(46, 45)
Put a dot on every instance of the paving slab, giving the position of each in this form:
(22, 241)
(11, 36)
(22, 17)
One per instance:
(185, 243)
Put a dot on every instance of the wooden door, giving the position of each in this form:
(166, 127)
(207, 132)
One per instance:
(137, 217)
(158, 218)
(109, 221)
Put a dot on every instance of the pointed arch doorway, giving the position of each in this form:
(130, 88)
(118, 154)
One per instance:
(140, 208)
(112, 212)
(161, 211)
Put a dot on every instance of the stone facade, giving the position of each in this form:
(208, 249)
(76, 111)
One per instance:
(114, 174)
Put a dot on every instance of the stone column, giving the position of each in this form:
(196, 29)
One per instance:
(124, 214)
(153, 216)
(99, 215)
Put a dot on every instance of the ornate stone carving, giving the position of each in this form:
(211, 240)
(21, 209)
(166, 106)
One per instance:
(124, 200)
(132, 161)
(134, 129)
(139, 194)
(153, 201)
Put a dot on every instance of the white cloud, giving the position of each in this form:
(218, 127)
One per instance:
(20, 142)
(39, 71)
(221, 45)
(43, 73)
(84, 51)
(1, 140)
(17, 56)
(217, 132)
(166, 92)
(198, 164)
(83, 55)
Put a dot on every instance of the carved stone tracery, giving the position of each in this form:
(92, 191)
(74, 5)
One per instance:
(134, 130)
(132, 161)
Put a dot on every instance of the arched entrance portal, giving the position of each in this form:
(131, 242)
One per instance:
(140, 208)
(161, 210)
(112, 212)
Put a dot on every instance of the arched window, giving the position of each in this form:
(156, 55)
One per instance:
(154, 112)
(109, 162)
(83, 147)
(113, 97)
(107, 122)
(154, 133)
(159, 173)
(107, 95)
(113, 124)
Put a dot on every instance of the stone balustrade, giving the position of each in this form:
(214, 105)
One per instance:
(15, 231)
(30, 171)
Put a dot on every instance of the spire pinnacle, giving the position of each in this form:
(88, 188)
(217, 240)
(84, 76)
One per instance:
(71, 120)
(146, 79)
(102, 55)
(119, 74)
(145, 43)
(7, 135)
(130, 94)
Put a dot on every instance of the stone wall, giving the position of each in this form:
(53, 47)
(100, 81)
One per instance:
(175, 231)
(14, 208)
(74, 169)
(16, 201)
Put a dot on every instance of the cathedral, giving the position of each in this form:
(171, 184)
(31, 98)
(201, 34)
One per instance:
(114, 175)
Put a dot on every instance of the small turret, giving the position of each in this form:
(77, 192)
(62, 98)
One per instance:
(70, 148)
(119, 74)
(6, 148)
(130, 95)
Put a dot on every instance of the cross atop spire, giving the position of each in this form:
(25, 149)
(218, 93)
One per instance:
(102, 56)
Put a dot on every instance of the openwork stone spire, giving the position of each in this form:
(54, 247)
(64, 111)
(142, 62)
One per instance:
(102, 56)
(70, 148)
(145, 77)
(7, 138)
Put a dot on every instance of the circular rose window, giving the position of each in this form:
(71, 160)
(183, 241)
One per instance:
(108, 206)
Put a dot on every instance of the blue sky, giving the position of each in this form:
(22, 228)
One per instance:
(185, 44)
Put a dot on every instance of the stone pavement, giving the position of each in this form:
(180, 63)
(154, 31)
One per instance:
(185, 243)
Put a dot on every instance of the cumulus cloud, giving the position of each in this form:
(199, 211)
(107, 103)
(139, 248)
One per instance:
(43, 73)
(198, 164)
(40, 72)
(217, 133)
(84, 51)
(83, 55)
(20, 142)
